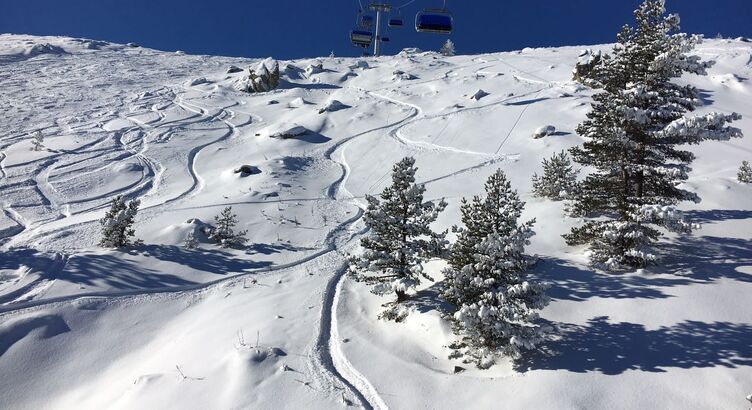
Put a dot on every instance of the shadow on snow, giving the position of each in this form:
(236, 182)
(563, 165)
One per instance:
(613, 348)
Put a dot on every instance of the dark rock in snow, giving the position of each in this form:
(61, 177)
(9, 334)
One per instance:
(245, 170)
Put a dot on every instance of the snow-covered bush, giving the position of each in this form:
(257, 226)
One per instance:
(400, 239)
(745, 173)
(224, 230)
(448, 48)
(264, 77)
(37, 141)
(559, 179)
(117, 224)
(487, 278)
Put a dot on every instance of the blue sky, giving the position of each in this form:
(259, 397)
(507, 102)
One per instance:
(304, 28)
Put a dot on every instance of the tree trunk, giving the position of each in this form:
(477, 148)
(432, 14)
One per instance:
(401, 296)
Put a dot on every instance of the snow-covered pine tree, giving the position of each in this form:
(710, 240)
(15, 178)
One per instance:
(487, 281)
(224, 233)
(448, 48)
(634, 130)
(190, 241)
(400, 239)
(559, 179)
(117, 224)
(37, 141)
(745, 173)
(585, 71)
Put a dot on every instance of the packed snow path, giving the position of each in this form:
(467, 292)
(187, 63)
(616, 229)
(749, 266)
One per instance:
(278, 324)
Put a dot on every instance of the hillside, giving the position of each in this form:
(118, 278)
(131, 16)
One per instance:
(278, 324)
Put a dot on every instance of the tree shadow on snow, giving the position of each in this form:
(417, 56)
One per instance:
(272, 248)
(706, 258)
(717, 215)
(570, 282)
(213, 261)
(613, 348)
(30, 258)
(117, 273)
(427, 300)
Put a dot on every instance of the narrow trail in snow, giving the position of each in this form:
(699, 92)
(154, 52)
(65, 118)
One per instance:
(3, 156)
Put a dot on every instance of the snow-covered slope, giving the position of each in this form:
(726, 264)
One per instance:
(277, 325)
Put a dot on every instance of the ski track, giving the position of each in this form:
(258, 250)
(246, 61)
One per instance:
(3, 155)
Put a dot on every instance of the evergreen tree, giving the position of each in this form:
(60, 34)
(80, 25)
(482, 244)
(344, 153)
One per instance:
(401, 238)
(634, 131)
(224, 232)
(487, 280)
(745, 173)
(448, 48)
(190, 241)
(37, 141)
(559, 179)
(585, 71)
(117, 224)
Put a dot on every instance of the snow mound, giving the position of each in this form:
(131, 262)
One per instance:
(360, 64)
(544, 131)
(729, 80)
(297, 103)
(43, 48)
(197, 81)
(400, 75)
(332, 106)
(314, 69)
(285, 131)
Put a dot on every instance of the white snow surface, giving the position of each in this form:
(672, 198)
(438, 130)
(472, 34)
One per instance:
(278, 325)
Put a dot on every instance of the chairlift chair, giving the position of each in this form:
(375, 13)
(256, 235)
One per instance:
(361, 38)
(396, 21)
(434, 21)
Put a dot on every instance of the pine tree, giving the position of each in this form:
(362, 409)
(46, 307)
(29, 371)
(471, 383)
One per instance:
(745, 173)
(559, 179)
(634, 131)
(448, 48)
(117, 224)
(190, 241)
(586, 70)
(487, 280)
(401, 238)
(224, 232)
(37, 141)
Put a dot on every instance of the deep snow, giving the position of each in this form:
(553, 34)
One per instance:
(161, 326)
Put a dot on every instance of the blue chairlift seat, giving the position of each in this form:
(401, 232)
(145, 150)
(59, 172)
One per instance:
(396, 22)
(361, 38)
(434, 21)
